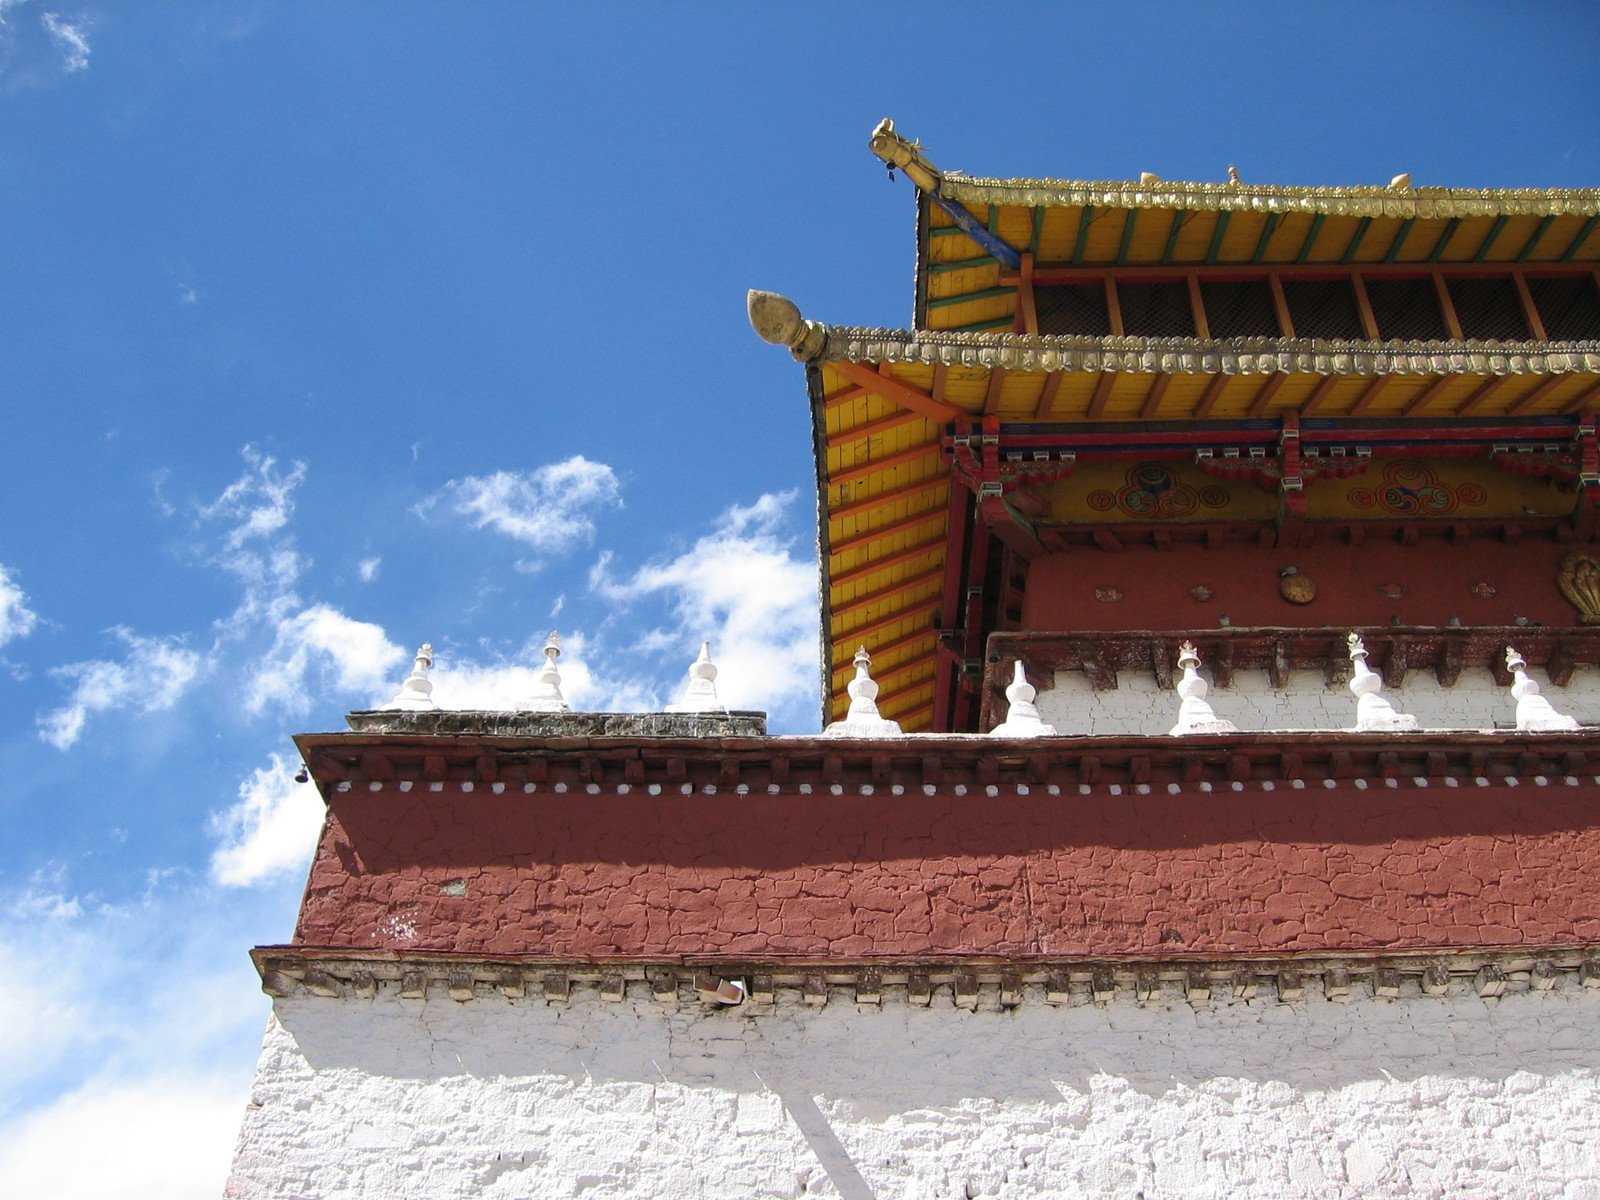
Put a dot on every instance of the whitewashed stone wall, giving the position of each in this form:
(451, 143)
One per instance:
(1454, 1097)
(1138, 705)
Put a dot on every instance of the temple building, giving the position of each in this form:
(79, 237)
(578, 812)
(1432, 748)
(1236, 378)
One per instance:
(1207, 798)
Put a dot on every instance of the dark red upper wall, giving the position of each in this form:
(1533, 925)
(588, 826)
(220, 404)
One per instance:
(1479, 580)
(1314, 869)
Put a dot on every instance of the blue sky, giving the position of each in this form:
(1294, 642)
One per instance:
(332, 328)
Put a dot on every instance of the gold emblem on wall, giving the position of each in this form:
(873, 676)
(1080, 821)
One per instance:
(1579, 581)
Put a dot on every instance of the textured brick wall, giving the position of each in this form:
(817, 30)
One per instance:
(1205, 872)
(1416, 1098)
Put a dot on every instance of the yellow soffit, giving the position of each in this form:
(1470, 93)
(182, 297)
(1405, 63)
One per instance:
(1367, 201)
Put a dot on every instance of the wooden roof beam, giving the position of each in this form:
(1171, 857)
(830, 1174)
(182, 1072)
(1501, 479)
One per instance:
(873, 428)
(893, 591)
(866, 569)
(921, 488)
(897, 391)
(1582, 236)
(883, 531)
(846, 668)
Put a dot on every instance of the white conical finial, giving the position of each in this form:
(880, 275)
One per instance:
(700, 696)
(1374, 714)
(1194, 711)
(1535, 714)
(547, 687)
(1022, 715)
(416, 693)
(863, 718)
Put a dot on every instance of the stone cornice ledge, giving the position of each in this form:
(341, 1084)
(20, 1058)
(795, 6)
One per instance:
(1238, 356)
(955, 764)
(288, 971)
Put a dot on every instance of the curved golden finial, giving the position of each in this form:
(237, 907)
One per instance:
(905, 156)
(777, 320)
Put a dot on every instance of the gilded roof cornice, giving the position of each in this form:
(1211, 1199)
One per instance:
(1368, 201)
(1236, 356)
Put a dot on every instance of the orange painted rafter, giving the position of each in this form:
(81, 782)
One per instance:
(1102, 393)
(888, 593)
(854, 574)
(1113, 307)
(883, 531)
(1046, 407)
(1481, 396)
(904, 642)
(1369, 323)
(1026, 309)
(872, 428)
(895, 704)
(1258, 406)
(922, 608)
(991, 394)
(1208, 399)
(921, 488)
(1532, 398)
(1280, 304)
(1152, 398)
(842, 396)
(1530, 310)
(888, 462)
(1197, 307)
(1422, 398)
(1447, 306)
(1585, 400)
(1318, 395)
(1368, 396)
(897, 391)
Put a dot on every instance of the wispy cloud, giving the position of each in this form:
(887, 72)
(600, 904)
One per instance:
(367, 569)
(743, 587)
(17, 620)
(322, 646)
(151, 676)
(70, 38)
(272, 829)
(550, 508)
(244, 533)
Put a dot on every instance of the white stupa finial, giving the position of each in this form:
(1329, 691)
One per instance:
(1374, 714)
(1535, 714)
(547, 686)
(863, 718)
(1194, 710)
(1022, 715)
(700, 696)
(416, 693)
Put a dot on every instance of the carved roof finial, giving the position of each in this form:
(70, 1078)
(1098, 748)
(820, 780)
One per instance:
(700, 694)
(416, 693)
(863, 718)
(547, 695)
(1374, 714)
(1195, 714)
(1535, 714)
(899, 154)
(1022, 715)
(777, 320)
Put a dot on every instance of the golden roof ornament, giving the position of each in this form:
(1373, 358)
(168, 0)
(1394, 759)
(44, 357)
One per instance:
(1579, 581)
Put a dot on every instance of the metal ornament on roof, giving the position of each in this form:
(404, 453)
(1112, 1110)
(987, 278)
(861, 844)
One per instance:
(547, 695)
(1194, 711)
(1374, 714)
(1535, 714)
(1022, 715)
(416, 693)
(863, 718)
(700, 694)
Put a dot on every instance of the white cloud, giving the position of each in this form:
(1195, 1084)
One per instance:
(272, 829)
(354, 657)
(164, 1135)
(254, 511)
(70, 38)
(152, 676)
(743, 588)
(550, 508)
(17, 620)
(367, 568)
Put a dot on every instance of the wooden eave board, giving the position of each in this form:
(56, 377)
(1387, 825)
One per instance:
(1340, 238)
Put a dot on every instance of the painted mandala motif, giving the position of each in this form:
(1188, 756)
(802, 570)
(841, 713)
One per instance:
(1152, 492)
(1411, 489)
